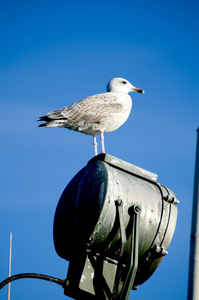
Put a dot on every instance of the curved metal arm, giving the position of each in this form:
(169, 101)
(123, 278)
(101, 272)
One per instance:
(32, 275)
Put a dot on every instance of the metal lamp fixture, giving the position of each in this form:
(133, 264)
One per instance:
(114, 223)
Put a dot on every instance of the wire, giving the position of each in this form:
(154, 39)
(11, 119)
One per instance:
(32, 275)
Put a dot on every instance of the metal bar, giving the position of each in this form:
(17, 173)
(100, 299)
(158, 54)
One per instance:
(119, 206)
(137, 210)
(193, 286)
(10, 260)
(128, 284)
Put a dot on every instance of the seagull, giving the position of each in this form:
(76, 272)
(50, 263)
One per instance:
(97, 114)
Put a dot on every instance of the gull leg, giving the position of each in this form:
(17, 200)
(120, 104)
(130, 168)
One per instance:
(95, 144)
(102, 142)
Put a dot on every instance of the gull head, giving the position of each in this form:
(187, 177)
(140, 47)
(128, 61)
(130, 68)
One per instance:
(121, 85)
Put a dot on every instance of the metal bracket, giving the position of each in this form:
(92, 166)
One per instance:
(133, 265)
(96, 276)
(130, 270)
(119, 206)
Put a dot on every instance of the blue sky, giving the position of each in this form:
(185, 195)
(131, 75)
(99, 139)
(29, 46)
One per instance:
(54, 53)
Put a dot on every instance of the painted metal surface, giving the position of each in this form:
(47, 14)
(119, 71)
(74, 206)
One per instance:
(86, 218)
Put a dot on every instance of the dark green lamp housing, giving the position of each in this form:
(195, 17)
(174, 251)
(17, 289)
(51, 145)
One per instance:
(114, 223)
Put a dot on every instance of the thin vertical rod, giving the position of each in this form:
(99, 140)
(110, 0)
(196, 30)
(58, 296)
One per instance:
(193, 286)
(10, 259)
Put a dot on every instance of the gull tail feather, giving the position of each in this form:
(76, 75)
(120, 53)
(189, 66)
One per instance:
(53, 123)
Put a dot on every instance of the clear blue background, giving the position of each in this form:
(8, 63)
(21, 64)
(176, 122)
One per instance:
(54, 53)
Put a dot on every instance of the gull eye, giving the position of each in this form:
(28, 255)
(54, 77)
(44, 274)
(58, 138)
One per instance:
(124, 82)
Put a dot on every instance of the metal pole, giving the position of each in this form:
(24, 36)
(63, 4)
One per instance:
(10, 258)
(193, 286)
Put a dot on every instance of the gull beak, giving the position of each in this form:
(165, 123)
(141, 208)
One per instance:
(134, 89)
